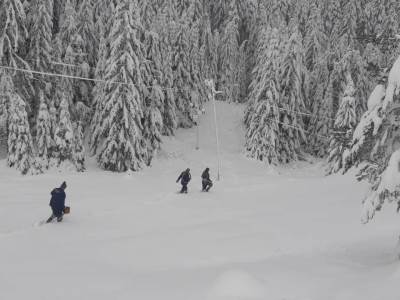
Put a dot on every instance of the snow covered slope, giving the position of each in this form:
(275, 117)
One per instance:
(288, 234)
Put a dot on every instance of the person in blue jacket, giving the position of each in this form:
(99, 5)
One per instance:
(57, 203)
(185, 178)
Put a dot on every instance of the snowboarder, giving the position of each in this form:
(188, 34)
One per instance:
(185, 177)
(57, 203)
(206, 181)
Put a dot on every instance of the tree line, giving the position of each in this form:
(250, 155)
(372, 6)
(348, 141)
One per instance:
(149, 60)
(325, 83)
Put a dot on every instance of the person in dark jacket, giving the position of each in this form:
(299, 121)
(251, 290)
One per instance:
(57, 203)
(206, 181)
(185, 178)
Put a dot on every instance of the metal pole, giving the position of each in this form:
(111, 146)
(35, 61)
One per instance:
(197, 136)
(216, 135)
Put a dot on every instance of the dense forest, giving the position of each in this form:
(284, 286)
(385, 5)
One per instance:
(110, 78)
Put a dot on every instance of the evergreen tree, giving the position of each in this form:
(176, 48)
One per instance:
(298, 80)
(169, 115)
(345, 122)
(291, 103)
(186, 61)
(242, 74)
(40, 48)
(103, 11)
(323, 52)
(208, 49)
(165, 26)
(346, 116)
(82, 90)
(64, 87)
(229, 55)
(195, 20)
(12, 37)
(12, 33)
(64, 136)
(182, 8)
(117, 134)
(218, 10)
(364, 144)
(148, 12)
(6, 92)
(68, 28)
(320, 123)
(44, 140)
(20, 146)
(152, 94)
(262, 115)
(376, 143)
(103, 28)
(53, 117)
(262, 137)
(153, 124)
(63, 47)
(86, 29)
(79, 149)
(182, 78)
(57, 11)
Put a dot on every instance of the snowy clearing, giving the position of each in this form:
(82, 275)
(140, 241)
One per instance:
(289, 233)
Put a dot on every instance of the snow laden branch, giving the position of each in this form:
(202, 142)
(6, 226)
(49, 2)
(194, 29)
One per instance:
(376, 145)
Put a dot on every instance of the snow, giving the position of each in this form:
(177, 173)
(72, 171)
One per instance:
(389, 185)
(391, 177)
(372, 118)
(393, 84)
(377, 95)
(284, 233)
(237, 284)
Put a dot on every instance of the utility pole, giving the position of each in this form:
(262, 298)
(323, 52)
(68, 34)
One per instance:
(197, 137)
(197, 119)
(197, 134)
(210, 84)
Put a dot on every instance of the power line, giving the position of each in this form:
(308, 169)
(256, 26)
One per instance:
(73, 77)
(304, 114)
(70, 65)
(300, 113)
(300, 129)
(125, 83)
(58, 63)
(163, 88)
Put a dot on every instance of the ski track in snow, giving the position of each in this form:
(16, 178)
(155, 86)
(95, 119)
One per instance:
(261, 233)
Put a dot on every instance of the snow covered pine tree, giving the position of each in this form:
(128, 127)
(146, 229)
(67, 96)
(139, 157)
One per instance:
(376, 144)
(64, 136)
(345, 123)
(117, 132)
(20, 146)
(44, 139)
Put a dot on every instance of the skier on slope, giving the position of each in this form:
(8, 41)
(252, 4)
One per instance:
(57, 203)
(206, 181)
(185, 177)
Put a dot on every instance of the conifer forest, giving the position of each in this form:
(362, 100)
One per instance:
(199, 149)
(108, 79)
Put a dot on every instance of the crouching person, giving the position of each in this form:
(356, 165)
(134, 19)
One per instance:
(57, 203)
(206, 181)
